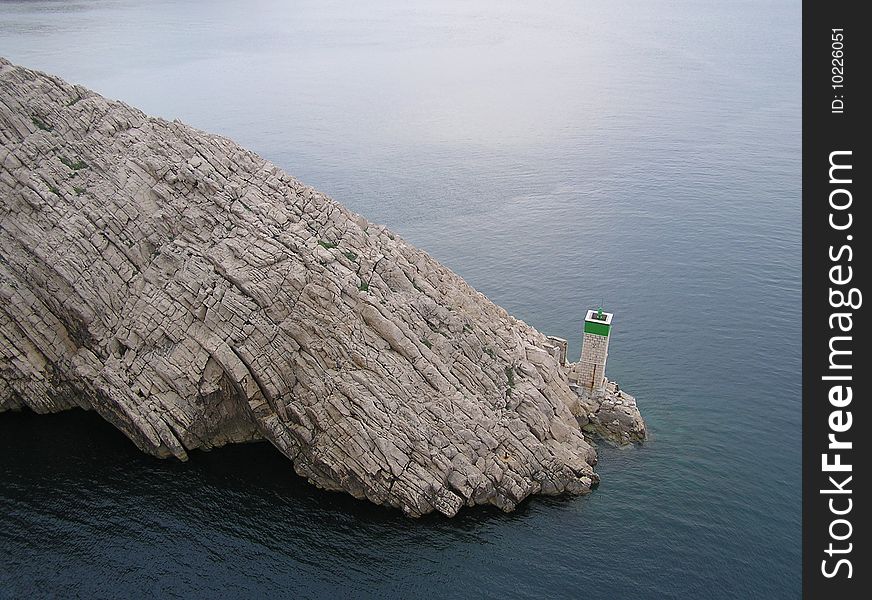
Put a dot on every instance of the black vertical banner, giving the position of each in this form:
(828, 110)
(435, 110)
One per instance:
(836, 166)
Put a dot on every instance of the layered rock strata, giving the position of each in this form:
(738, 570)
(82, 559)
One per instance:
(194, 295)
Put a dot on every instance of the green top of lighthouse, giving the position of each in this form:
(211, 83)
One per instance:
(598, 322)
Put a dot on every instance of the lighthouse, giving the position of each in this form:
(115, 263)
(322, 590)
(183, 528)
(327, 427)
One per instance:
(590, 371)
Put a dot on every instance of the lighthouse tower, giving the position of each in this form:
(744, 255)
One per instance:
(591, 368)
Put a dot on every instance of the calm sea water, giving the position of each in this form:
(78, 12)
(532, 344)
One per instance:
(556, 154)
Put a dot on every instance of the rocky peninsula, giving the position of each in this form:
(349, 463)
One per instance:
(195, 295)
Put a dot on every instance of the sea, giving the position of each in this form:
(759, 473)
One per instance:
(642, 155)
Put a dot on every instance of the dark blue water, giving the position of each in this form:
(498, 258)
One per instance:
(556, 154)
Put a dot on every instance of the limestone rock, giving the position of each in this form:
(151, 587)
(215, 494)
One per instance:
(194, 295)
(611, 415)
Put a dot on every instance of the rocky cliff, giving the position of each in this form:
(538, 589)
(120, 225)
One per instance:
(194, 295)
